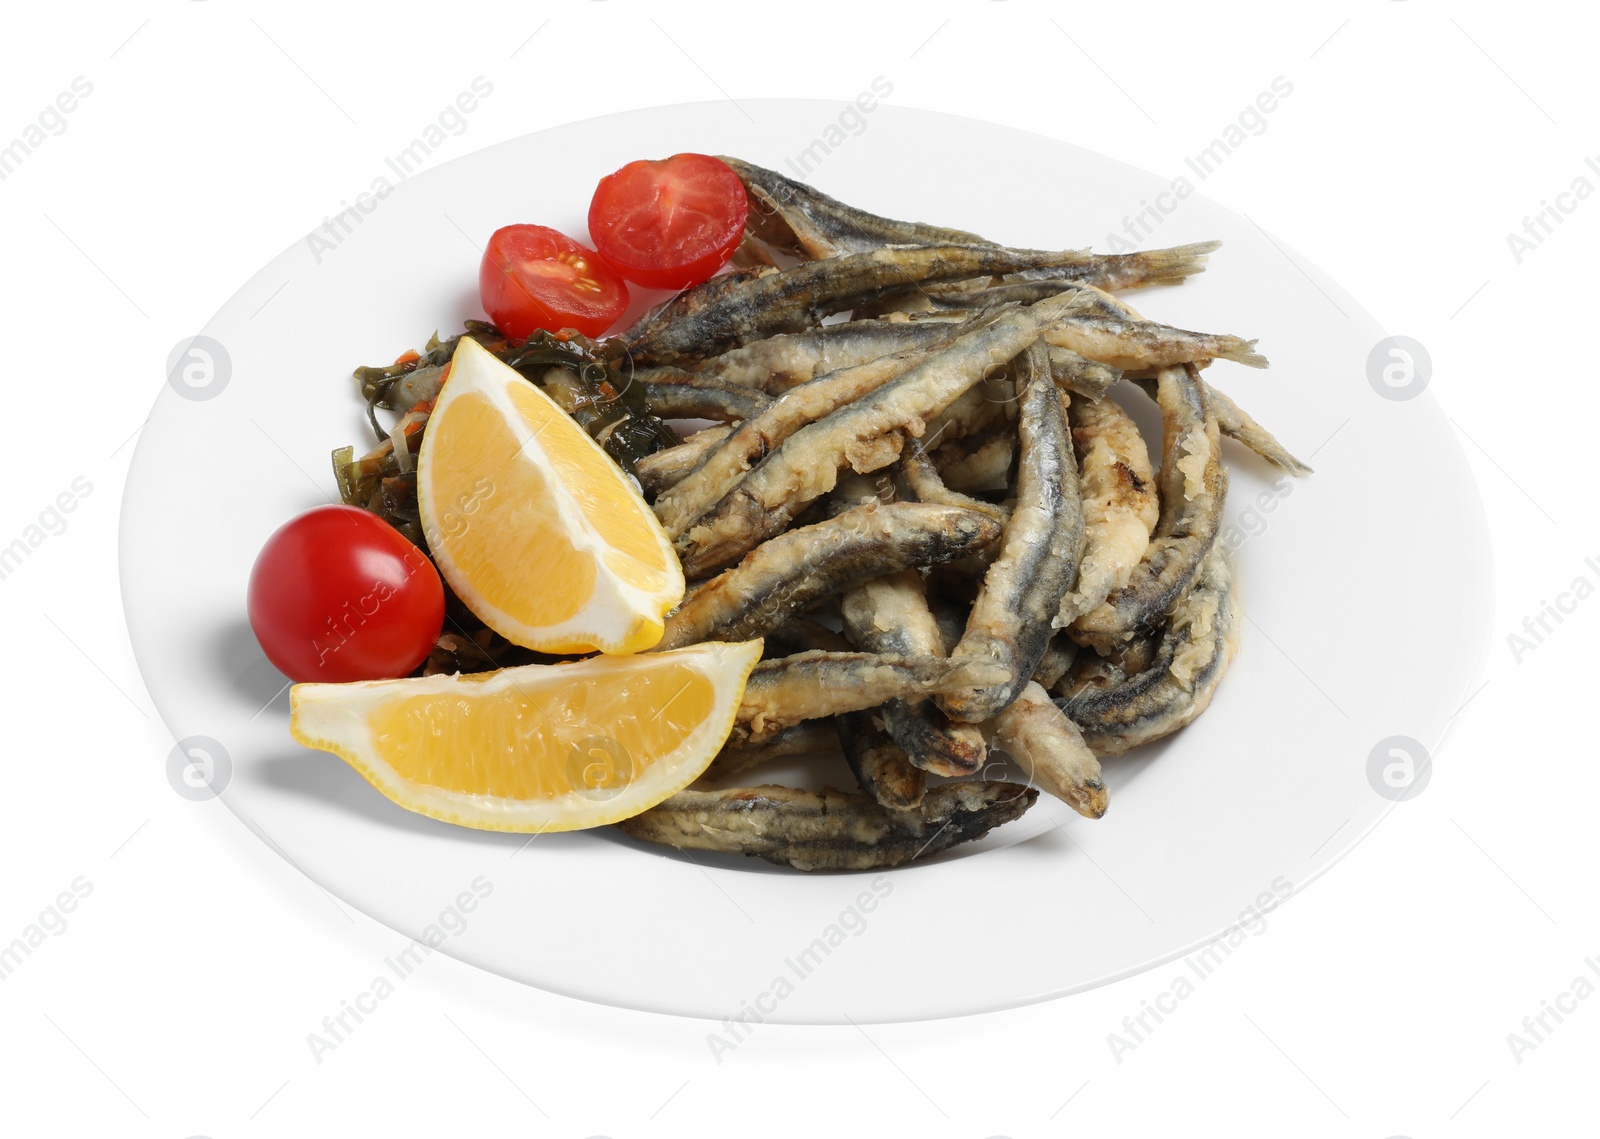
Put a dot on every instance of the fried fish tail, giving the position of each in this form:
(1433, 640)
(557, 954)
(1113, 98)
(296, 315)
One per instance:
(1170, 266)
(1133, 345)
(1237, 424)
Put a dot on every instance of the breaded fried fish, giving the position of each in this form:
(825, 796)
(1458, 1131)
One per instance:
(829, 830)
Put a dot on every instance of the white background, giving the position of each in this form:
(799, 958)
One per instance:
(178, 999)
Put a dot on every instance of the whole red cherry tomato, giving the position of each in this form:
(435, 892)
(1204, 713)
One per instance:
(338, 594)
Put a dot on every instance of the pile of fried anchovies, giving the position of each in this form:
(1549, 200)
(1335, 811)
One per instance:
(943, 476)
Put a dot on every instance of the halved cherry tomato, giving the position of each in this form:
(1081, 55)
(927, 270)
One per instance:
(338, 594)
(533, 277)
(668, 223)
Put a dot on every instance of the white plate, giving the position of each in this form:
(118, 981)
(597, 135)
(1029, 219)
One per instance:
(1366, 589)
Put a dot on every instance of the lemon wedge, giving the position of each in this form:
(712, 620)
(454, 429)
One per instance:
(542, 747)
(536, 529)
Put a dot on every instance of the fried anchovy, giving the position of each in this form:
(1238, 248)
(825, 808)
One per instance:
(1190, 660)
(891, 615)
(752, 252)
(1058, 656)
(802, 634)
(791, 572)
(1081, 375)
(1120, 505)
(1093, 670)
(863, 434)
(982, 463)
(696, 397)
(792, 216)
(950, 616)
(767, 430)
(1193, 484)
(988, 403)
(880, 765)
(736, 308)
(1231, 419)
(830, 830)
(808, 686)
(1038, 556)
(1236, 423)
(780, 362)
(692, 301)
(922, 482)
(1134, 344)
(957, 299)
(1050, 747)
(810, 737)
(665, 468)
